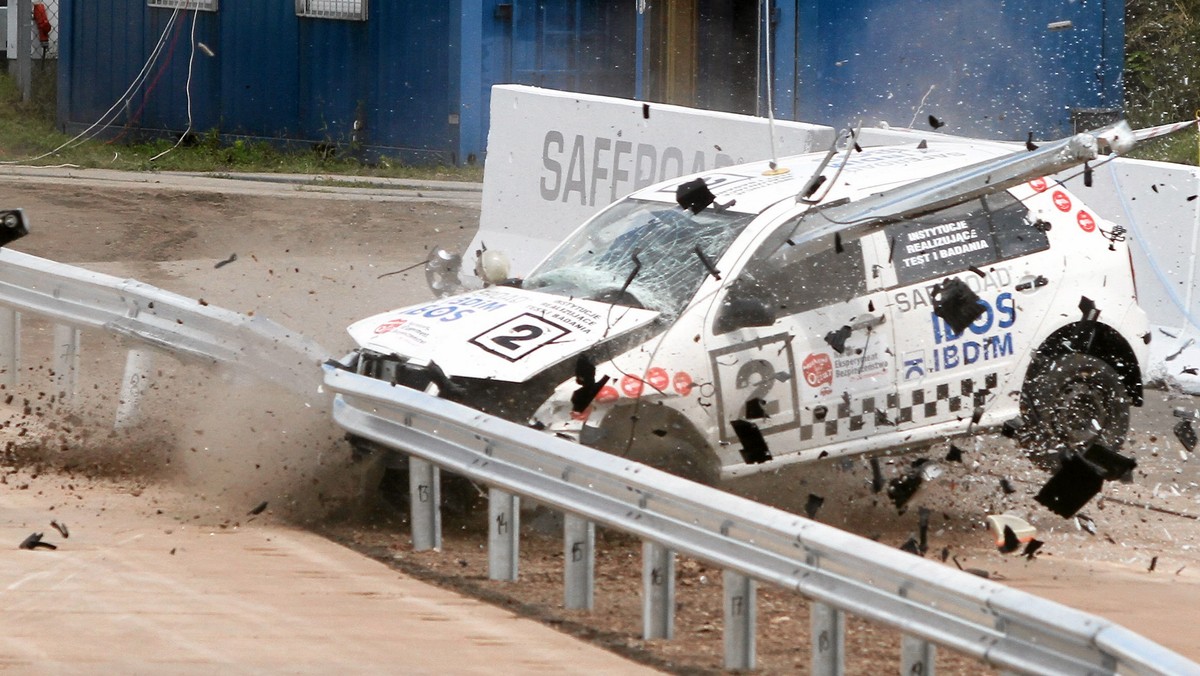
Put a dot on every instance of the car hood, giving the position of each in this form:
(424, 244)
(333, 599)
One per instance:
(501, 333)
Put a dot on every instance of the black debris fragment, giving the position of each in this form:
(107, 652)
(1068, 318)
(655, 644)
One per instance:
(955, 454)
(585, 377)
(659, 433)
(1075, 483)
(923, 529)
(1011, 543)
(977, 271)
(1087, 175)
(945, 554)
(1190, 370)
(1088, 307)
(1012, 426)
(1112, 465)
(755, 409)
(262, 507)
(911, 546)
(956, 303)
(936, 123)
(1186, 434)
(694, 195)
(922, 145)
(1153, 186)
(901, 489)
(34, 541)
(812, 186)
(1192, 197)
(1153, 563)
(1029, 144)
(1031, 548)
(837, 243)
(754, 446)
(813, 505)
(61, 528)
(1006, 486)
(645, 111)
(227, 261)
(974, 571)
(837, 339)
(882, 420)
(876, 476)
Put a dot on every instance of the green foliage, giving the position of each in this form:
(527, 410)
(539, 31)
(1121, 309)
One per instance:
(1162, 74)
(28, 136)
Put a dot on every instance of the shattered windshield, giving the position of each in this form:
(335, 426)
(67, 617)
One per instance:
(598, 262)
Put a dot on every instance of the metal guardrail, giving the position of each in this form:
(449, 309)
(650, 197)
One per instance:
(840, 572)
(76, 299)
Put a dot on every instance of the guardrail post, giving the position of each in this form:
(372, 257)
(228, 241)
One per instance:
(504, 516)
(139, 365)
(579, 555)
(658, 591)
(917, 656)
(828, 626)
(741, 617)
(425, 504)
(10, 346)
(66, 361)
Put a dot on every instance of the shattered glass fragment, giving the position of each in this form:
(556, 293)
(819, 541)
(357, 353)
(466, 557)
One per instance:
(1086, 523)
(956, 303)
(1070, 488)
(813, 505)
(754, 447)
(837, 339)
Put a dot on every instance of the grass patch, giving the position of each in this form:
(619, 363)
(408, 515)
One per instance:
(28, 136)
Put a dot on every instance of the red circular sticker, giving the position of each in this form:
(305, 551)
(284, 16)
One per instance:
(389, 325)
(657, 377)
(631, 386)
(1086, 222)
(1038, 184)
(607, 395)
(1061, 200)
(683, 383)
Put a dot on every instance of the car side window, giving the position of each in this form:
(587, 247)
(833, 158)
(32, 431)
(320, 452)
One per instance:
(799, 281)
(973, 234)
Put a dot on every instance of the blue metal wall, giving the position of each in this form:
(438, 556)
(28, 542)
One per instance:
(273, 75)
(417, 76)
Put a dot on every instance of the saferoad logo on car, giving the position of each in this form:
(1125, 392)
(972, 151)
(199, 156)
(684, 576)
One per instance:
(818, 372)
(390, 325)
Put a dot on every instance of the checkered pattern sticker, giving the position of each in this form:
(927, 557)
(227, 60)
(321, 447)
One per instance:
(879, 412)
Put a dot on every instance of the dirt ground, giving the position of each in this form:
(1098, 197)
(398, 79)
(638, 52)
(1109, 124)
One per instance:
(313, 264)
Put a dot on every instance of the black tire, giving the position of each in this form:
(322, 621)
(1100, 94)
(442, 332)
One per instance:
(1071, 403)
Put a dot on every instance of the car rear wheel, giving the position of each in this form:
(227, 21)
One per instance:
(1071, 403)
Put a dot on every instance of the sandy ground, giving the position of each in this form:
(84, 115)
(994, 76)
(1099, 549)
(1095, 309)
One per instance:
(312, 263)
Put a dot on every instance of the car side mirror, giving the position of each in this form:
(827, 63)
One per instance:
(747, 304)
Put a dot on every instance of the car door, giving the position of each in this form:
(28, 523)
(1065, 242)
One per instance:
(998, 249)
(798, 348)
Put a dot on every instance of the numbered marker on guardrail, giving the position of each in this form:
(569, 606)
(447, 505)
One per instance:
(579, 554)
(741, 616)
(504, 515)
(917, 657)
(139, 368)
(66, 361)
(828, 626)
(425, 500)
(10, 346)
(658, 591)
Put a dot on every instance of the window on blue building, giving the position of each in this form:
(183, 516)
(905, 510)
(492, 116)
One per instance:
(202, 5)
(354, 10)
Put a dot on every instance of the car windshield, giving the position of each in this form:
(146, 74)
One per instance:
(598, 260)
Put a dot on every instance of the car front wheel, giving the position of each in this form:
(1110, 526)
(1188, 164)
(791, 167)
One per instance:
(1072, 403)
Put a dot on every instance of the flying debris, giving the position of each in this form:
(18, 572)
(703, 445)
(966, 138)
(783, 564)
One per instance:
(1029, 144)
(935, 122)
(754, 446)
(34, 541)
(1186, 434)
(259, 509)
(1070, 488)
(1010, 531)
(876, 476)
(813, 505)
(1031, 549)
(956, 303)
(955, 454)
(227, 261)
(694, 195)
(61, 528)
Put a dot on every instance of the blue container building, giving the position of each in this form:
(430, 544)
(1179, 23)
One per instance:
(411, 80)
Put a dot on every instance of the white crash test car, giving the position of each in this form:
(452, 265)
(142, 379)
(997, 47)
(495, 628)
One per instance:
(828, 304)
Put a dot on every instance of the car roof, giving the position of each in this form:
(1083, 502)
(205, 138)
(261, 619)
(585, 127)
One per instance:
(755, 187)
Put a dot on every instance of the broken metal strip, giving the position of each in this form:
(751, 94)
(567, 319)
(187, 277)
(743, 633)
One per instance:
(1003, 627)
